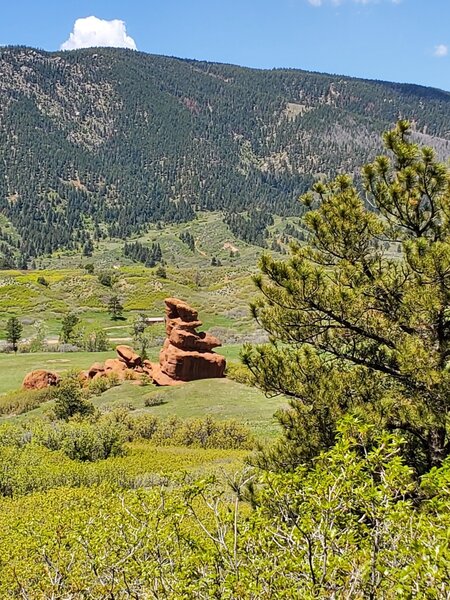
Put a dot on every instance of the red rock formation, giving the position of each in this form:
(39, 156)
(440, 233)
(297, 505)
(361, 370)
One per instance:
(95, 369)
(117, 366)
(129, 356)
(127, 365)
(39, 379)
(186, 355)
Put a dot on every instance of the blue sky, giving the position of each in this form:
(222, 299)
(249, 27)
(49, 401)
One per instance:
(394, 40)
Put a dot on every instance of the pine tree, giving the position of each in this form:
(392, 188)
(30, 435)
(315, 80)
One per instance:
(69, 322)
(115, 308)
(13, 332)
(361, 330)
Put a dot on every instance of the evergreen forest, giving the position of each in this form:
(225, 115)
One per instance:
(100, 143)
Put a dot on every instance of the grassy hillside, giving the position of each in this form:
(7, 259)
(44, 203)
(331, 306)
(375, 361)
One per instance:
(101, 143)
(221, 294)
(61, 284)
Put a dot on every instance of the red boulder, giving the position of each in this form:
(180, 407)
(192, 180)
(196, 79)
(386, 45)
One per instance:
(129, 356)
(39, 379)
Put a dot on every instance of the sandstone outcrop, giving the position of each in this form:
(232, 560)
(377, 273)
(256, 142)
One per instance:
(115, 365)
(129, 356)
(127, 365)
(94, 370)
(186, 354)
(40, 379)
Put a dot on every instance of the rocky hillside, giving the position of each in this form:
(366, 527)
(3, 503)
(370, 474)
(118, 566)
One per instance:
(101, 142)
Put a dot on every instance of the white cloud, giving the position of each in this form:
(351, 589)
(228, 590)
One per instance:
(440, 50)
(89, 32)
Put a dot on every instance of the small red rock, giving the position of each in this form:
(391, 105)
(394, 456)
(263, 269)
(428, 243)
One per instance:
(129, 356)
(39, 379)
(94, 369)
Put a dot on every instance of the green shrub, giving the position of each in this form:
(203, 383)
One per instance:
(160, 271)
(146, 380)
(196, 433)
(154, 400)
(101, 384)
(209, 433)
(13, 435)
(106, 278)
(82, 441)
(22, 401)
(95, 341)
(130, 375)
(70, 400)
(143, 427)
(42, 281)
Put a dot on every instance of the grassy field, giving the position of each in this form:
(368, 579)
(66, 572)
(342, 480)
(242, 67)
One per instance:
(219, 398)
(222, 294)
(60, 283)
(13, 368)
(222, 301)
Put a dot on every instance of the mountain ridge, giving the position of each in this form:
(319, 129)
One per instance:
(103, 141)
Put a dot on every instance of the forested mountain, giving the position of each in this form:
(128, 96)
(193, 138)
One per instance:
(101, 142)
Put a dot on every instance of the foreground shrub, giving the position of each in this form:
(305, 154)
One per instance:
(79, 440)
(240, 373)
(100, 385)
(196, 433)
(143, 427)
(83, 441)
(14, 435)
(347, 527)
(173, 431)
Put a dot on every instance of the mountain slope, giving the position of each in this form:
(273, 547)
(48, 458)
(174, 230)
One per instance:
(101, 142)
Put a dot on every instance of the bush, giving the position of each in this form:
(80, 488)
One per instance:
(161, 272)
(87, 442)
(106, 278)
(81, 440)
(95, 341)
(208, 433)
(13, 435)
(100, 385)
(67, 348)
(154, 400)
(146, 380)
(130, 375)
(196, 433)
(69, 399)
(143, 427)
(22, 401)
(42, 281)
